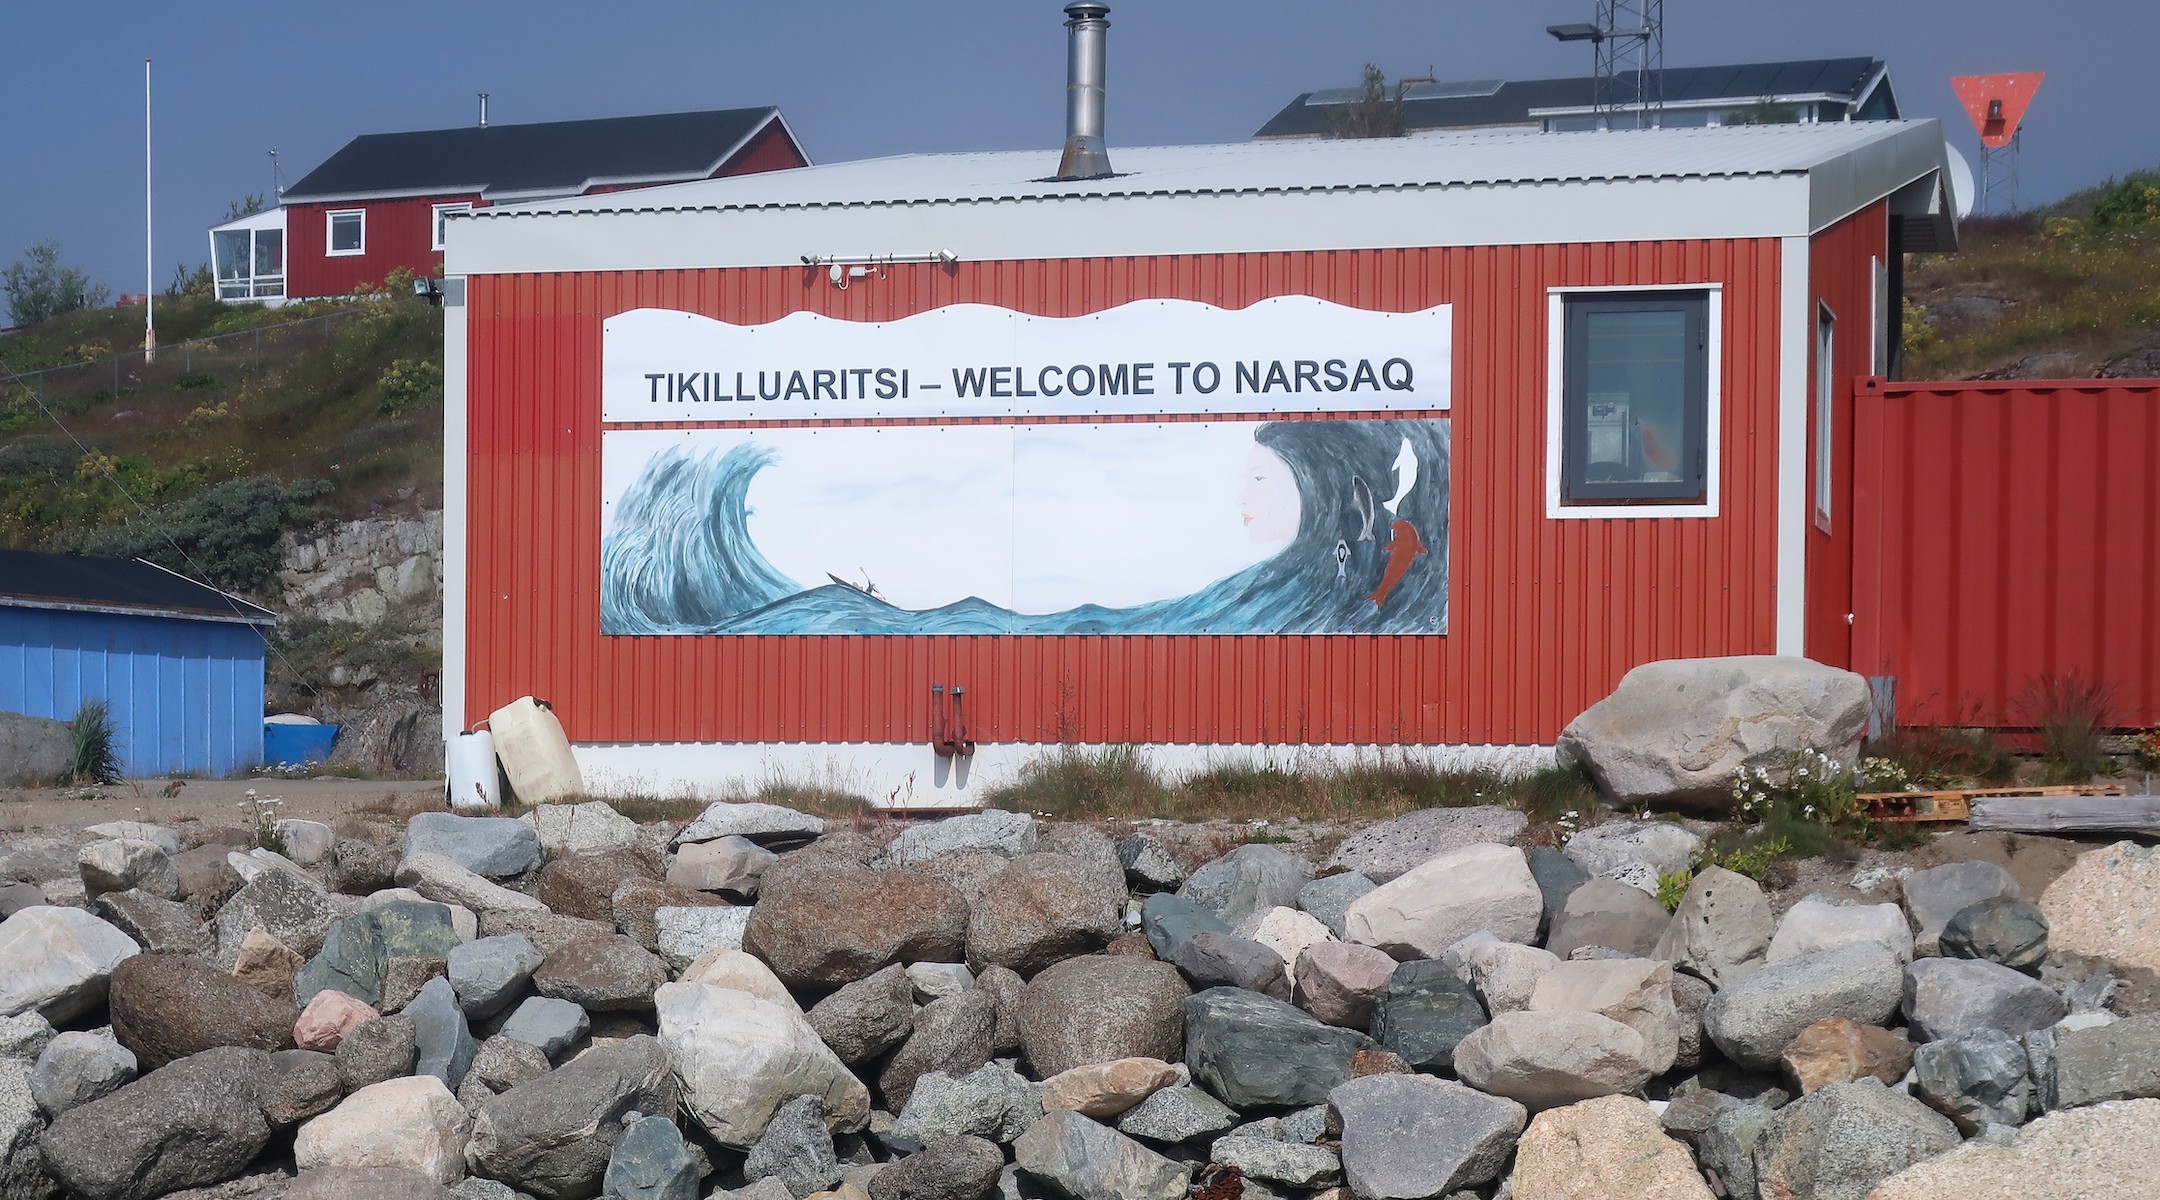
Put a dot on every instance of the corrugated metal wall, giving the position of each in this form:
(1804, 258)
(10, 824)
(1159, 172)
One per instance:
(185, 695)
(2008, 531)
(399, 233)
(1841, 278)
(1545, 615)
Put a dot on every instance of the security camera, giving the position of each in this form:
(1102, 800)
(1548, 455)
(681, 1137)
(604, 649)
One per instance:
(809, 260)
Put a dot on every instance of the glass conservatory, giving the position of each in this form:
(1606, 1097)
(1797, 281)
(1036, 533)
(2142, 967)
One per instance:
(248, 257)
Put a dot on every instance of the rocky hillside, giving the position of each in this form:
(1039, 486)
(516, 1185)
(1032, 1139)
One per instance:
(763, 1005)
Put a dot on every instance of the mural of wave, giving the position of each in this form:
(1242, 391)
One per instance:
(1370, 554)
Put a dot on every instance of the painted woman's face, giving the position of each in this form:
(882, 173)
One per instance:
(1269, 500)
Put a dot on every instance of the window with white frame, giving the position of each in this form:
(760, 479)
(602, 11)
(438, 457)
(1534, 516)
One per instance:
(442, 211)
(1633, 406)
(348, 232)
(1825, 408)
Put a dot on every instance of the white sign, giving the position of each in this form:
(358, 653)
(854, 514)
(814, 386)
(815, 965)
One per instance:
(1286, 354)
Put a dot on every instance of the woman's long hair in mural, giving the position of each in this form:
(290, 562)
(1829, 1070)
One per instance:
(1370, 554)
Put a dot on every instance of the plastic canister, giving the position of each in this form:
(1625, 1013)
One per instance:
(474, 784)
(535, 753)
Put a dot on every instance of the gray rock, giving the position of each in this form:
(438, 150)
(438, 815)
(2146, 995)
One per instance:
(502, 1063)
(1610, 913)
(867, 1017)
(1407, 1136)
(1177, 1114)
(1148, 866)
(554, 1136)
(604, 974)
(1722, 929)
(166, 1007)
(1557, 878)
(1818, 923)
(1099, 1008)
(1249, 880)
(287, 907)
(1691, 999)
(1008, 991)
(358, 867)
(15, 897)
(1042, 909)
(682, 935)
(1675, 730)
(944, 1106)
(1386, 850)
(24, 1035)
(592, 827)
(651, 1162)
(796, 1148)
(487, 974)
(1328, 897)
(1168, 920)
(2008, 931)
(2116, 1061)
(376, 1050)
(1088, 1161)
(157, 925)
(951, 1035)
(1090, 846)
(58, 961)
(1008, 833)
(1272, 1161)
(302, 1084)
(305, 842)
(1210, 959)
(1726, 1149)
(124, 864)
(493, 847)
(769, 825)
(22, 1169)
(959, 1168)
(1636, 853)
(442, 1042)
(35, 751)
(441, 879)
(550, 1024)
(730, 864)
(76, 1068)
(1687, 1114)
(1935, 895)
(1419, 914)
(472, 1187)
(198, 1121)
(163, 837)
(1977, 1080)
(1255, 1051)
(763, 1189)
(833, 922)
(1838, 1142)
(356, 950)
(1549, 1059)
(1424, 1012)
(1950, 997)
(1754, 1019)
(931, 981)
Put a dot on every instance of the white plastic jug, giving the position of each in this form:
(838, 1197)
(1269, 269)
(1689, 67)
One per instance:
(474, 783)
(535, 753)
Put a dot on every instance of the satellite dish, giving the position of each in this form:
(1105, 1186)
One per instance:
(1961, 182)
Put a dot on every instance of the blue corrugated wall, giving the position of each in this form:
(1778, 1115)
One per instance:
(185, 695)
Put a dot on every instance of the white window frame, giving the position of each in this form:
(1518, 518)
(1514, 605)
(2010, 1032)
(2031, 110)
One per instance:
(1556, 403)
(330, 218)
(1825, 410)
(1879, 325)
(436, 219)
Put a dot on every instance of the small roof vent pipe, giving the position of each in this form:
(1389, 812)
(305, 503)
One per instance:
(483, 110)
(1087, 27)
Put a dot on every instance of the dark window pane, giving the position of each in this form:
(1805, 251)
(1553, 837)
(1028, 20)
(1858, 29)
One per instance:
(1635, 391)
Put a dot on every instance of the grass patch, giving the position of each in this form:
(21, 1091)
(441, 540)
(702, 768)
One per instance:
(96, 745)
(2072, 714)
(2068, 283)
(1937, 758)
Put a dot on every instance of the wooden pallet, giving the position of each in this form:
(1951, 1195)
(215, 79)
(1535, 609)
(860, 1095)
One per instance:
(1955, 804)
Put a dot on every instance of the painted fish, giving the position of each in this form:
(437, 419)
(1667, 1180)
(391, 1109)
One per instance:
(1403, 546)
(1361, 498)
(1406, 473)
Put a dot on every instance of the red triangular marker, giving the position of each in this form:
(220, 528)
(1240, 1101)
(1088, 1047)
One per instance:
(1996, 103)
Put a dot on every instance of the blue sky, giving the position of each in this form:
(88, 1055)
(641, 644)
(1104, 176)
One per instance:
(860, 79)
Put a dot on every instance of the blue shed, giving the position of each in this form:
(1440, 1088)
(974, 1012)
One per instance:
(179, 664)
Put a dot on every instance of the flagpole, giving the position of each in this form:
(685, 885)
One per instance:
(149, 254)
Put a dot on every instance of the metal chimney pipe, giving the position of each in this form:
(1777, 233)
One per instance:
(483, 110)
(1087, 27)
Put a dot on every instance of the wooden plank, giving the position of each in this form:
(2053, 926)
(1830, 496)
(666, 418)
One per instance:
(1954, 804)
(2068, 814)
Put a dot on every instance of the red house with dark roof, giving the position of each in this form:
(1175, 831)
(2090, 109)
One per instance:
(383, 201)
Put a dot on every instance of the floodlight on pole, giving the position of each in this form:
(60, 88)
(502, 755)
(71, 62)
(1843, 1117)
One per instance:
(1576, 33)
(1628, 48)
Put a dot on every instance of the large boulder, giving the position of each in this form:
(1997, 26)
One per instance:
(836, 923)
(1503, 974)
(1329, 897)
(1722, 929)
(125, 864)
(1042, 909)
(1675, 731)
(196, 1122)
(444, 880)
(1936, 894)
(328, 1018)
(1099, 1008)
(1610, 914)
(488, 973)
(683, 935)
(603, 974)
(1149, 865)
(1386, 850)
(731, 864)
(1250, 879)
(76, 1068)
(952, 1034)
(1753, 1020)
(1103, 1090)
(1636, 853)
(740, 1058)
(1952, 997)
(1637, 992)
(593, 827)
(495, 847)
(167, 1007)
(867, 1017)
(548, 1023)
(651, 1162)
(637, 901)
(1423, 1012)
(1838, 1143)
(412, 1124)
(34, 751)
(356, 950)
(1177, 1114)
(2011, 932)
(959, 1168)
(1445, 899)
(2107, 905)
(1817, 924)
(1840, 1050)
(583, 885)
(58, 961)
(1288, 933)
(284, 905)
(1086, 1160)
(552, 1136)
(1604, 1149)
(1411, 1136)
(769, 825)
(373, 1051)
(1169, 920)
(158, 925)
(2112, 1150)
(1977, 1080)
(1011, 834)
(1255, 1051)
(443, 1043)
(1338, 982)
(22, 1170)
(1222, 960)
(1547, 1059)
(2119, 1060)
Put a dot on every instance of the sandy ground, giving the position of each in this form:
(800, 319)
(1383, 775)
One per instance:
(211, 802)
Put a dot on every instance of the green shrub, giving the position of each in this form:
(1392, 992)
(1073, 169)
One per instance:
(409, 384)
(2072, 714)
(1672, 888)
(2131, 204)
(96, 738)
(195, 381)
(228, 533)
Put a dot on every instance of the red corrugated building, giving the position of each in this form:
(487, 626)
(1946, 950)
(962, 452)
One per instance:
(1498, 416)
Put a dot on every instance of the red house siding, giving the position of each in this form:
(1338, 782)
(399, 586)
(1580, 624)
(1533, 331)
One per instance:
(1545, 615)
(1842, 278)
(400, 233)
